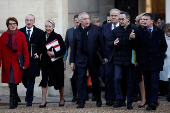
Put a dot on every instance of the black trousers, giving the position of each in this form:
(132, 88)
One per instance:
(94, 72)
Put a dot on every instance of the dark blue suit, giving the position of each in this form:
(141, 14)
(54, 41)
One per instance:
(151, 48)
(109, 84)
(88, 61)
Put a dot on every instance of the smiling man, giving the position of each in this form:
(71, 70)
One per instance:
(32, 34)
(87, 40)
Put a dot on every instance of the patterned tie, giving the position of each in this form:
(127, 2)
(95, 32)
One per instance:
(28, 34)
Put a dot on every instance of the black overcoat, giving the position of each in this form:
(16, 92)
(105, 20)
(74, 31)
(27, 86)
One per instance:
(55, 69)
(33, 69)
(151, 49)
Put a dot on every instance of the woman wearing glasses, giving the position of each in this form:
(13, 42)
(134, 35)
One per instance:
(13, 44)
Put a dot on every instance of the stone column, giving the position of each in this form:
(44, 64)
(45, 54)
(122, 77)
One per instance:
(167, 11)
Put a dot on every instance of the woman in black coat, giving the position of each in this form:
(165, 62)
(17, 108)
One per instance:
(51, 58)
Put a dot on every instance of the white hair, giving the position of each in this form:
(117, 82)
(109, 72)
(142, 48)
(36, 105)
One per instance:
(115, 10)
(79, 17)
(51, 21)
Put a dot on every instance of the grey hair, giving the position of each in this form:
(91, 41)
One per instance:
(115, 10)
(51, 21)
(79, 17)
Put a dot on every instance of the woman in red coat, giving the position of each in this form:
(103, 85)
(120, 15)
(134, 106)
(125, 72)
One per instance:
(12, 44)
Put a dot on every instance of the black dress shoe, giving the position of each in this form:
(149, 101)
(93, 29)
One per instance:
(140, 106)
(29, 104)
(129, 106)
(149, 108)
(80, 106)
(61, 105)
(43, 106)
(99, 103)
(110, 103)
(117, 104)
(153, 106)
(94, 98)
(74, 99)
(123, 103)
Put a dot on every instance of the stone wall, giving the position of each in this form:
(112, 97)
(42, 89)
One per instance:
(42, 10)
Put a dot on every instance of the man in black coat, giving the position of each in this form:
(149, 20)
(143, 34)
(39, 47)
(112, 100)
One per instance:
(122, 58)
(32, 34)
(151, 47)
(87, 41)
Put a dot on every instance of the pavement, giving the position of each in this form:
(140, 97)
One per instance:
(90, 107)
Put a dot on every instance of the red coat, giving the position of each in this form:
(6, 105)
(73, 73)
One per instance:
(8, 58)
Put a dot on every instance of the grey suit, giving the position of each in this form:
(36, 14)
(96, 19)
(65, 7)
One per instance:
(68, 43)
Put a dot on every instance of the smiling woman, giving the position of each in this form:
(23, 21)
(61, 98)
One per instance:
(51, 50)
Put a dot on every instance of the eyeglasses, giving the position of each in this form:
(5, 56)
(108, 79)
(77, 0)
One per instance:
(12, 24)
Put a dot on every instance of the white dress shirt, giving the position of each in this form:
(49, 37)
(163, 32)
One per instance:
(114, 25)
(30, 31)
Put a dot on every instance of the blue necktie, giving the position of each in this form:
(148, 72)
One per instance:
(149, 31)
(28, 34)
(114, 27)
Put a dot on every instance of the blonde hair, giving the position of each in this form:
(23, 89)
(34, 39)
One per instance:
(95, 19)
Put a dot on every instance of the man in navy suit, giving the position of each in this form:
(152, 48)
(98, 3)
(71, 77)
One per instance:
(151, 47)
(107, 31)
(87, 41)
(68, 44)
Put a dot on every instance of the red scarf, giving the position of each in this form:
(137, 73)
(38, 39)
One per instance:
(12, 42)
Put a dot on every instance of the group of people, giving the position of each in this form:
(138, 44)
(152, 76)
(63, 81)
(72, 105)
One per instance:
(123, 55)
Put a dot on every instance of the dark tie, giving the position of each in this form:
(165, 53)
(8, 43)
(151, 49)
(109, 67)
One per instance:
(114, 27)
(149, 31)
(28, 34)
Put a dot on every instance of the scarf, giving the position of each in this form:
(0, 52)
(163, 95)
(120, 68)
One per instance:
(12, 42)
(84, 38)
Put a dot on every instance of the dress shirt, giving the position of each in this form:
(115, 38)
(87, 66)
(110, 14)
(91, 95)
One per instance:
(150, 28)
(114, 25)
(31, 31)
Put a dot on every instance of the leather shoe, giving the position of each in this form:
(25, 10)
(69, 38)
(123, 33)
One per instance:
(42, 106)
(80, 106)
(129, 106)
(153, 106)
(99, 103)
(123, 103)
(110, 103)
(117, 104)
(29, 104)
(74, 99)
(149, 108)
(60, 105)
(140, 106)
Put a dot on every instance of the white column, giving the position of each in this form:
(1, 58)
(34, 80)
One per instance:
(167, 11)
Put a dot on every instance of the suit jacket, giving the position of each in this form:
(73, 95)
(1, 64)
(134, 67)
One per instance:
(69, 38)
(33, 70)
(151, 49)
(93, 44)
(106, 32)
(68, 44)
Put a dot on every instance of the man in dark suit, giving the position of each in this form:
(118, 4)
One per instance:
(32, 34)
(87, 41)
(68, 44)
(151, 47)
(107, 31)
(122, 58)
